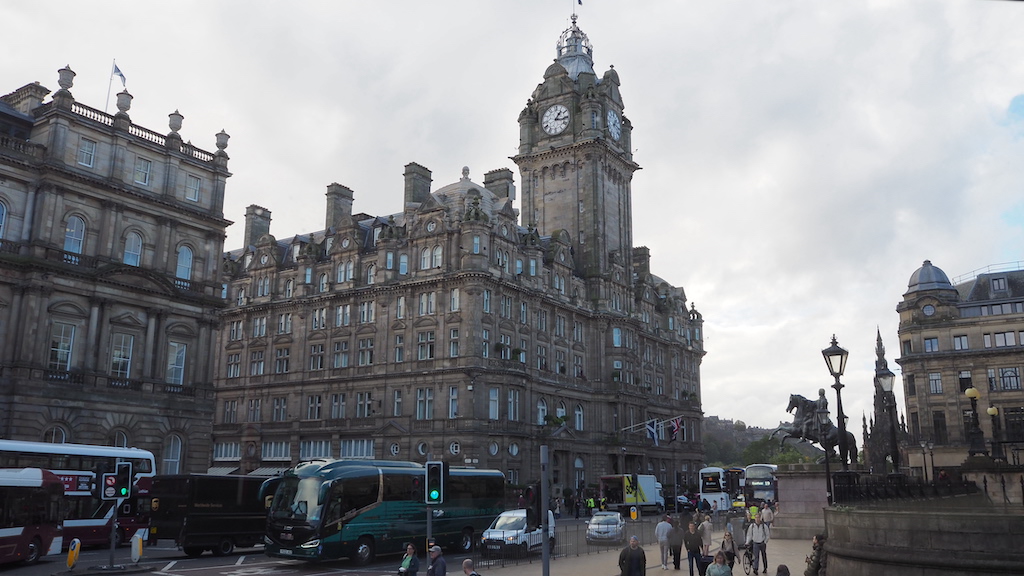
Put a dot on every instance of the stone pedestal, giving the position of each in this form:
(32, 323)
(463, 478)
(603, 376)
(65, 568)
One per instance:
(802, 500)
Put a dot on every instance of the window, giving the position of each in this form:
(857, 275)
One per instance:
(341, 354)
(400, 307)
(506, 307)
(316, 357)
(193, 187)
(259, 327)
(493, 403)
(234, 365)
(1009, 378)
(999, 284)
(560, 326)
(313, 405)
(435, 257)
(357, 448)
(453, 343)
(184, 268)
(319, 318)
(281, 358)
(176, 362)
(280, 450)
(235, 330)
(424, 403)
(280, 413)
(542, 357)
(524, 313)
(364, 404)
(577, 366)
(396, 403)
(935, 382)
(542, 411)
(371, 274)
(426, 303)
(560, 410)
(389, 261)
(226, 451)
(262, 286)
(172, 454)
(533, 266)
(425, 259)
(579, 417)
(931, 344)
(143, 168)
(132, 249)
(941, 435)
(399, 348)
(284, 323)
(476, 244)
(121, 355)
(911, 384)
(86, 152)
(560, 366)
(240, 297)
(3, 218)
(256, 363)
(403, 264)
(617, 337)
(366, 312)
(230, 411)
(343, 315)
(254, 410)
(74, 236)
(965, 380)
(542, 320)
(321, 285)
(310, 449)
(366, 352)
(338, 405)
(453, 402)
(425, 345)
(487, 301)
(960, 342)
(513, 405)
(453, 304)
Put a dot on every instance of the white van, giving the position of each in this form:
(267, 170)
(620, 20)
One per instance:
(510, 534)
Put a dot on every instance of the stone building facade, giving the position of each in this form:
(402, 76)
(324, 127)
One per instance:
(111, 238)
(954, 336)
(451, 330)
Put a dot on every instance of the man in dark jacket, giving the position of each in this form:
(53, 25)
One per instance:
(632, 560)
(693, 543)
(675, 542)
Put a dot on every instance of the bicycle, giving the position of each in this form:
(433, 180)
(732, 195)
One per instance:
(748, 558)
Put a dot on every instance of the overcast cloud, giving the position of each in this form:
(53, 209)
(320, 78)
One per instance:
(800, 158)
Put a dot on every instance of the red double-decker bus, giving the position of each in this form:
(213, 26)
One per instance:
(80, 468)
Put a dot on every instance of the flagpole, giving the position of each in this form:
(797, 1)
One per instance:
(106, 103)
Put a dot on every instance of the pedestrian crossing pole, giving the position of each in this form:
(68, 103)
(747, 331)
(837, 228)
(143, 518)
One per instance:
(545, 499)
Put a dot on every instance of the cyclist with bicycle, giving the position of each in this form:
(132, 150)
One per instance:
(758, 535)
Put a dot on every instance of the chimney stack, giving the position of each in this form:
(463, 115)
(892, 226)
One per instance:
(257, 223)
(417, 184)
(339, 206)
(501, 183)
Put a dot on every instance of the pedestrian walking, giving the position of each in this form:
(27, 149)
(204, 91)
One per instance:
(467, 568)
(410, 563)
(675, 542)
(438, 567)
(692, 542)
(661, 532)
(719, 567)
(632, 560)
(758, 535)
(706, 532)
(731, 549)
(767, 514)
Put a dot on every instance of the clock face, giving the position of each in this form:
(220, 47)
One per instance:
(431, 226)
(264, 258)
(344, 243)
(928, 310)
(614, 125)
(555, 119)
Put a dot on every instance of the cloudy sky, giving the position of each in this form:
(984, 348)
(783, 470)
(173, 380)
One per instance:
(800, 158)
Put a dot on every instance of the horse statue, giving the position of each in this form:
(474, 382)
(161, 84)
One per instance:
(807, 427)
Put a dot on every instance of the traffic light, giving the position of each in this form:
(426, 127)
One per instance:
(531, 496)
(123, 480)
(435, 483)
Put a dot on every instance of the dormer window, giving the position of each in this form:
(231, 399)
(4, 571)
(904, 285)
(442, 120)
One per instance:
(999, 284)
(295, 252)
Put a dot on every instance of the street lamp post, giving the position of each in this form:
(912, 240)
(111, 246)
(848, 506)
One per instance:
(835, 359)
(997, 448)
(931, 455)
(975, 438)
(885, 379)
(924, 460)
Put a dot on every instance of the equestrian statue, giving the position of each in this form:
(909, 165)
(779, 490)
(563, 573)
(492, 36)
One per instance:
(812, 424)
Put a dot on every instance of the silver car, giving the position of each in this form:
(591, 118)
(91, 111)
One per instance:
(606, 527)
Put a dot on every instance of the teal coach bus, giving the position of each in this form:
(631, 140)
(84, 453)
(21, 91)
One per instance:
(328, 509)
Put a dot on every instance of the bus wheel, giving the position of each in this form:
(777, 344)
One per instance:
(34, 551)
(224, 547)
(193, 551)
(466, 544)
(364, 551)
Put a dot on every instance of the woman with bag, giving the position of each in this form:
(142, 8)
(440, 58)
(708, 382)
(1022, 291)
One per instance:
(410, 563)
(730, 548)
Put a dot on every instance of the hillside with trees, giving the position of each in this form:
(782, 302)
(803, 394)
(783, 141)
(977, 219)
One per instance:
(729, 443)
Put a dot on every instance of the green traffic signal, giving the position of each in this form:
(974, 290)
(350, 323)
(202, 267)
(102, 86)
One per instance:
(434, 494)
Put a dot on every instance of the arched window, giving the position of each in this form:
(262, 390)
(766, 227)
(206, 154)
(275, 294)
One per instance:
(341, 273)
(322, 287)
(542, 411)
(120, 439)
(3, 219)
(579, 417)
(133, 249)
(74, 235)
(371, 274)
(241, 297)
(403, 264)
(435, 258)
(560, 411)
(289, 288)
(172, 454)
(184, 269)
(349, 270)
(55, 435)
(425, 259)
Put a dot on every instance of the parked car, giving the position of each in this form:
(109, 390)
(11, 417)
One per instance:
(606, 528)
(686, 504)
(512, 533)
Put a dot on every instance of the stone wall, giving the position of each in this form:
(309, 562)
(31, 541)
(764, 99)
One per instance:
(802, 497)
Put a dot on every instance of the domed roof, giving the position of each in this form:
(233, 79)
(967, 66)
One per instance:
(928, 277)
(575, 53)
(459, 195)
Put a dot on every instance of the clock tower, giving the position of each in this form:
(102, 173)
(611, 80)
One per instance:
(576, 165)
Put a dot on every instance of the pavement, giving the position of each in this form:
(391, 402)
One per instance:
(605, 562)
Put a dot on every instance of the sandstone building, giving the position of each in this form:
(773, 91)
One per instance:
(452, 330)
(955, 336)
(110, 244)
